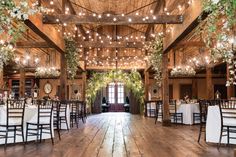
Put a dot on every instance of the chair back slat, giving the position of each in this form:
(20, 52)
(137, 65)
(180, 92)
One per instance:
(227, 110)
(15, 111)
(172, 106)
(45, 109)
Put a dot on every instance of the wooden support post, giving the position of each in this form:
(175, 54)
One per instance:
(146, 75)
(165, 88)
(84, 79)
(209, 84)
(63, 78)
(230, 89)
(194, 88)
(22, 82)
(1, 79)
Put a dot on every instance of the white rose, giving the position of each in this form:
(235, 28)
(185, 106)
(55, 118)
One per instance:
(215, 1)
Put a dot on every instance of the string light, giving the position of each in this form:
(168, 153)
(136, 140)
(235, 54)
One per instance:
(51, 2)
(107, 39)
(190, 2)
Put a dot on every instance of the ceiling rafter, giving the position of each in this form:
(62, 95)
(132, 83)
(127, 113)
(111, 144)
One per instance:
(80, 27)
(157, 9)
(119, 19)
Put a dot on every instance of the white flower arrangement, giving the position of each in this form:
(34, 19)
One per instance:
(16, 13)
(47, 72)
(183, 71)
(6, 53)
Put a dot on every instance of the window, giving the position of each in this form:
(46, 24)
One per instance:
(120, 91)
(116, 93)
(111, 93)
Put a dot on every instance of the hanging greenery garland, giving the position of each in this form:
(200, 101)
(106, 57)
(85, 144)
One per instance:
(183, 71)
(155, 48)
(71, 54)
(47, 72)
(132, 80)
(218, 32)
(12, 25)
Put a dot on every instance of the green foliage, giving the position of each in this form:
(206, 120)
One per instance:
(155, 48)
(217, 28)
(218, 31)
(71, 56)
(132, 80)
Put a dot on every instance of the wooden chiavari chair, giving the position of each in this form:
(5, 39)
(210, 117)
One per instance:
(14, 120)
(43, 124)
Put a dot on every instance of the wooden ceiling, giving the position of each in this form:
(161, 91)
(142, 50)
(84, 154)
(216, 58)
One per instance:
(103, 50)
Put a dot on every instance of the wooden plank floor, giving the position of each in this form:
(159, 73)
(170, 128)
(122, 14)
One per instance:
(121, 135)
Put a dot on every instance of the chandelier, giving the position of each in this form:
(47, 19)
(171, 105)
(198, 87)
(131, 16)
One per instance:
(27, 60)
(199, 62)
(183, 71)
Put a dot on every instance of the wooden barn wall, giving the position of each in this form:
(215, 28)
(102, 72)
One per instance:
(176, 83)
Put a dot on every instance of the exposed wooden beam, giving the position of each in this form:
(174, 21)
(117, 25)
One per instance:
(159, 4)
(180, 31)
(27, 44)
(120, 20)
(72, 10)
(119, 58)
(46, 32)
(183, 44)
(84, 44)
(114, 44)
(113, 67)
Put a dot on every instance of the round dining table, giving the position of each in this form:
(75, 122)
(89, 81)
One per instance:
(188, 109)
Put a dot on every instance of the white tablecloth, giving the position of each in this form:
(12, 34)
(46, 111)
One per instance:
(213, 126)
(30, 115)
(151, 109)
(188, 110)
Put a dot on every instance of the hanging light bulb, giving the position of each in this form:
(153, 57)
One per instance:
(51, 2)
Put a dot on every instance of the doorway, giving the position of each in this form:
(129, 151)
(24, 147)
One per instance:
(116, 96)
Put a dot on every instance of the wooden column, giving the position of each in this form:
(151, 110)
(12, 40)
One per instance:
(22, 82)
(165, 88)
(194, 88)
(230, 89)
(1, 79)
(209, 84)
(146, 75)
(63, 77)
(84, 79)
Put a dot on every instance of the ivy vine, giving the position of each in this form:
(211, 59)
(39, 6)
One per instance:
(71, 54)
(155, 49)
(218, 30)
